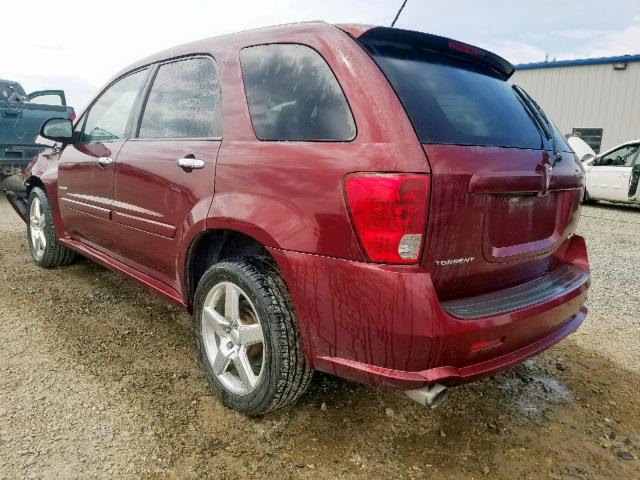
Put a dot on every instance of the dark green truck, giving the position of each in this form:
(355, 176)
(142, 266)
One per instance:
(21, 116)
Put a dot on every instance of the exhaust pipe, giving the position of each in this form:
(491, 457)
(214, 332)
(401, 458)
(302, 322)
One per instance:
(429, 396)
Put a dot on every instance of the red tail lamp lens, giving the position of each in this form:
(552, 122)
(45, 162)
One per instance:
(389, 213)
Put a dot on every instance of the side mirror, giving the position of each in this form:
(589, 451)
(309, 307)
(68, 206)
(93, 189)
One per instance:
(58, 130)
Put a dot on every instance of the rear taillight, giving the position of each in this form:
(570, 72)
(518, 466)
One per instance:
(389, 213)
(72, 116)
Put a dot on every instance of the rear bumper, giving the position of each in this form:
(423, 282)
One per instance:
(383, 325)
(450, 375)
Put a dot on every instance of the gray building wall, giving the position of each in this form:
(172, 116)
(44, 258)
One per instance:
(588, 96)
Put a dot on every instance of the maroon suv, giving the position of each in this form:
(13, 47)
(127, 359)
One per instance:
(375, 203)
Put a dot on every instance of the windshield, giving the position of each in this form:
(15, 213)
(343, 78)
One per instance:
(450, 101)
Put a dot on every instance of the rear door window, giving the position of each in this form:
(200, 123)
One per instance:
(293, 95)
(48, 98)
(450, 101)
(184, 101)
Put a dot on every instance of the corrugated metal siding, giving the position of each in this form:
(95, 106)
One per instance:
(591, 96)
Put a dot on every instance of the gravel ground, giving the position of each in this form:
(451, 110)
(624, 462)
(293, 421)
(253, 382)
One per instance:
(613, 327)
(98, 379)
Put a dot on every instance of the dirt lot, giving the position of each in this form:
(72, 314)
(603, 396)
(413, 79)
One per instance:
(98, 379)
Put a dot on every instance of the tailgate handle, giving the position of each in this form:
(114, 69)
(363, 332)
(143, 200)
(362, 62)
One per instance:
(508, 182)
(525, 182)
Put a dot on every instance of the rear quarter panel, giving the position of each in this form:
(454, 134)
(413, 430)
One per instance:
(289, 195)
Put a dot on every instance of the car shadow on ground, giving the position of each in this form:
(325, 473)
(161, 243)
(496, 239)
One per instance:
(623, 207)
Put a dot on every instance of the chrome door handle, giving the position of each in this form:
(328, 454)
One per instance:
(104, 161)
(189, 164)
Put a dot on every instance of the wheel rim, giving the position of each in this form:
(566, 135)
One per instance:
(233, 338)
(36, 228)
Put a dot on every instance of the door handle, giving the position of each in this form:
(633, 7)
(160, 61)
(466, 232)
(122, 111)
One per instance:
(104, 161)
(11, 112)
(188, 164)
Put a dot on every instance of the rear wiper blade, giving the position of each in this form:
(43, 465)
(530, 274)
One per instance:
(543, 121)
(542, 124)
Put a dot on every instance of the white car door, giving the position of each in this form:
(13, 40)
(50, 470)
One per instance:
(610, 175)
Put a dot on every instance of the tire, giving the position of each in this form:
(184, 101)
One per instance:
(41, 235)
(264, 309)
(586, 198)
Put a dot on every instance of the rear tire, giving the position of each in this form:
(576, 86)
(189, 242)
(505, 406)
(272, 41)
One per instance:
(41, 235)
(263, 368)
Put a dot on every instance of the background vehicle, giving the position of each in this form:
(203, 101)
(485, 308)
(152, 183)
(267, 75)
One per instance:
(418, 249)
(613, 175)
(21, 117)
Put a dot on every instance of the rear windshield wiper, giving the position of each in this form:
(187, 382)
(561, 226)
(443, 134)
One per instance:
(542, 120)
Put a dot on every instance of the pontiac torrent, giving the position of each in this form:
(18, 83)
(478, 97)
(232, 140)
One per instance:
(374, 203)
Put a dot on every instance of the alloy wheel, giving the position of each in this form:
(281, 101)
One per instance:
(36, 228)
(233, 338)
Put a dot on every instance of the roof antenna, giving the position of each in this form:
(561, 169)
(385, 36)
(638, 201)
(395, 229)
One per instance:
(393, 24)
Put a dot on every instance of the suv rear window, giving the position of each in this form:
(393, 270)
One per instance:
(450, 101)
(293, 95)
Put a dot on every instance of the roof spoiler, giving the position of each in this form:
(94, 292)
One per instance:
(441, 45)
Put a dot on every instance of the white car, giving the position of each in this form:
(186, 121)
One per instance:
(613, 175)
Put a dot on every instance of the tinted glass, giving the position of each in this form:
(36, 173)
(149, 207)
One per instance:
(454, 102)
(293, 95)
(107, 118)
(183, 102)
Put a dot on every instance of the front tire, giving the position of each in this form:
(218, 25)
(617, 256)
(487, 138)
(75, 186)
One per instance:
(43, 244)
(247, 336)
(586, 198)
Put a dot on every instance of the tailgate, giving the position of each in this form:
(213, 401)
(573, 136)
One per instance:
(492, 222)
(502, 202)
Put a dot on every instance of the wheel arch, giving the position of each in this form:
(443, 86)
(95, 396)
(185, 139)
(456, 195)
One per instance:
(34, 181)
(50, 187)
(212, 246)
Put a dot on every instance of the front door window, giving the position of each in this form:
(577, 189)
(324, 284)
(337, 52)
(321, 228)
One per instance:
(108, 117)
